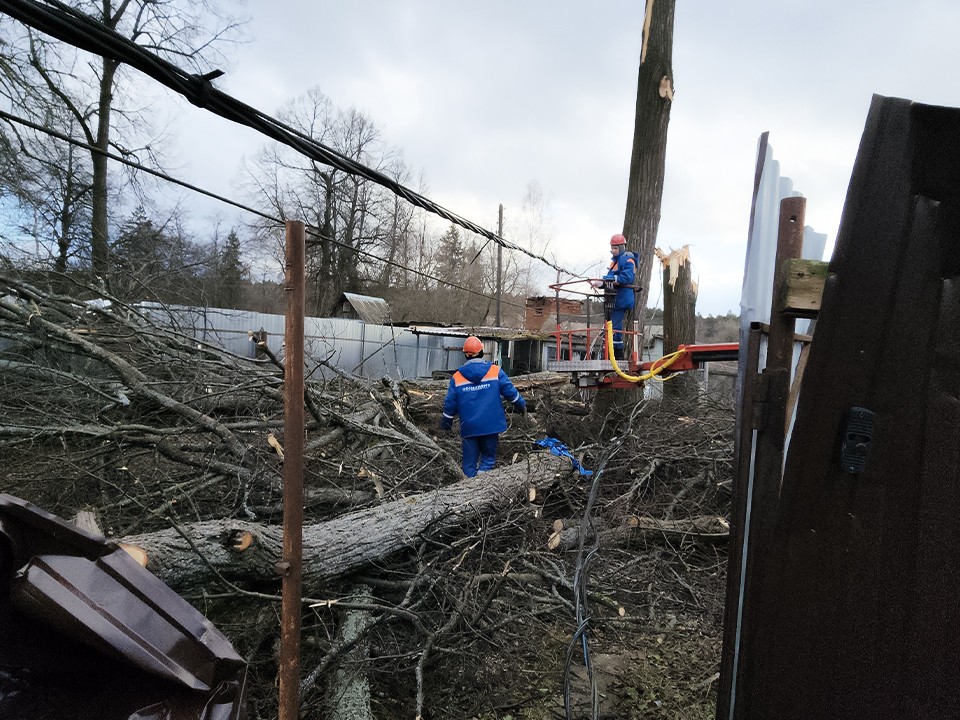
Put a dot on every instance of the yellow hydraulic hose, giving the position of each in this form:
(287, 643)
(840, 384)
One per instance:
(664, 362)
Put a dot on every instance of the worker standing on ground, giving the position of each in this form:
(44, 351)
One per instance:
(619, 281)
(474, 394)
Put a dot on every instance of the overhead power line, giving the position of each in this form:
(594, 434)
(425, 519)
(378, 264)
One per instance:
(314, 232)
(80, 30)
(129, 163)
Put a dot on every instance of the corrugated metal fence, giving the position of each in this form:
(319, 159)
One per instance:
(349, 345)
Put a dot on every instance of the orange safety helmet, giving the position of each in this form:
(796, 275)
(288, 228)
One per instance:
(618, 239)
(472, 346)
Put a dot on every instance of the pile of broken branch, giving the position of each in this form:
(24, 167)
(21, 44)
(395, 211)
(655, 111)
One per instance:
(426, 594)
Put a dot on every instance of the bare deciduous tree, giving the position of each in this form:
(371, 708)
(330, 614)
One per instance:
(522, 275)
(352, 216)
(51, 180)
(106, 108)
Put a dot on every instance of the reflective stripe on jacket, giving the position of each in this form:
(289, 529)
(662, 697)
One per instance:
(474, 394)
(624, 270)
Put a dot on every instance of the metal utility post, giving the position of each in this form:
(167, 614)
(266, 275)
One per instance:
(770, 393)
(291, 565)
(499, 263)
(557, 299)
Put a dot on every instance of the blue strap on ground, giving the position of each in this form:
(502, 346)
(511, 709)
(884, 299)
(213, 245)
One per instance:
(558, 448)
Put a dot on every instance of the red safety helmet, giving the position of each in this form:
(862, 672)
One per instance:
(618, 239)
(472, 346)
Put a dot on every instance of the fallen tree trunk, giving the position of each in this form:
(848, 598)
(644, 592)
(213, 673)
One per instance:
(189, 556)
(348, 693)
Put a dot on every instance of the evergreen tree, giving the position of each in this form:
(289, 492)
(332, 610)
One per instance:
(230, 274)
(139, 246)
(157, 261)
(451, 257)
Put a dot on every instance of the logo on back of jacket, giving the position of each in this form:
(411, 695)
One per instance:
(474, 388)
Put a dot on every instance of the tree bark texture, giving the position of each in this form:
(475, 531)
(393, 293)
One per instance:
(337, 547)
(348, 694)
(99, 240)
(654, 98)
(679, 317)
(679, 301)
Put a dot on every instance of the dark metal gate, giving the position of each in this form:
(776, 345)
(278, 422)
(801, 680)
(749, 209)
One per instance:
(851, 608)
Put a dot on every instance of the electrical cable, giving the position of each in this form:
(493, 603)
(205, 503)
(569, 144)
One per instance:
(131, 163)
(69, 25)
(581, 577)
(315, 232)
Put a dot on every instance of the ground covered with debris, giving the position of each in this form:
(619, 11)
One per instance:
(546, 594)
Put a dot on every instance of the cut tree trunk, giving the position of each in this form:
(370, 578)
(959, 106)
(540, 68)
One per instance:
(679, 317)
(246, 551)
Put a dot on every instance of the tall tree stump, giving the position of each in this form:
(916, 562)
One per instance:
(679, 318)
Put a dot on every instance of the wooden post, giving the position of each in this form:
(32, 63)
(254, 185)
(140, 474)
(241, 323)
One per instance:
(803, 287)
(291, 567)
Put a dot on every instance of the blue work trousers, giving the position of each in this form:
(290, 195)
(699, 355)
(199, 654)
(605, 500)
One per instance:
(479, 452)
(616, 319)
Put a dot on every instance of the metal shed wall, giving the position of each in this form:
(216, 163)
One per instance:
(349, 345)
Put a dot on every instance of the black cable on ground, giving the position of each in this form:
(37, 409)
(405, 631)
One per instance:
(581, 577)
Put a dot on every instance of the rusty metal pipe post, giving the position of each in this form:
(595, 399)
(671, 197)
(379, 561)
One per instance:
(291, 565)
(771, 395)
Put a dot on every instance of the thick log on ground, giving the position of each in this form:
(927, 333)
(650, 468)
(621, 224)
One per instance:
(247, 551)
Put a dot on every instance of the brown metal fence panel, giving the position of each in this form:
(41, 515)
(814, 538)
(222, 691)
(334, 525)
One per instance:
(88, 634)
(853, 612)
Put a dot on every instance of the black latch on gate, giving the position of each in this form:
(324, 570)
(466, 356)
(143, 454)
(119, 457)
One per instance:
(856, 440)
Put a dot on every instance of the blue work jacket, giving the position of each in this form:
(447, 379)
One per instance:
(474, 394)
(624, 270)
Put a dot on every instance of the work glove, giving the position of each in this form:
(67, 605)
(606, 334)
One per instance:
(446, 424)
(609, 277)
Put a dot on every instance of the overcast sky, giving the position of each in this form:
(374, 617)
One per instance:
(484, 97)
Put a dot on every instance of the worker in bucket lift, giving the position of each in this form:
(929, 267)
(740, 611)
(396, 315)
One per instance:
(620, 280)
(474, 394)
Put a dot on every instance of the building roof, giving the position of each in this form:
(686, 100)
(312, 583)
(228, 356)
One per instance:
(372, 310)
(488, 332)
